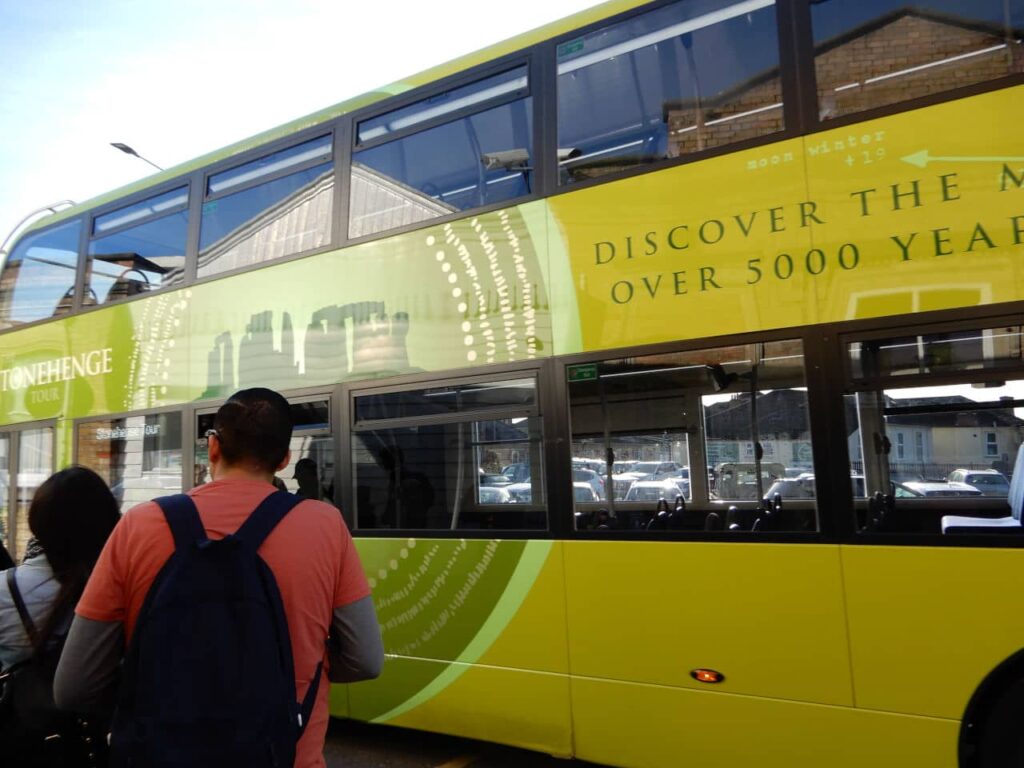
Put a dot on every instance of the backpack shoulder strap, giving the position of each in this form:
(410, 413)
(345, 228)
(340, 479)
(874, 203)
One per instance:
(265, 518)
(19, 603)
(183, 519)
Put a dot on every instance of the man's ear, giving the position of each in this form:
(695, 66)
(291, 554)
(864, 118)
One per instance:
(285, 461)
(213, 450)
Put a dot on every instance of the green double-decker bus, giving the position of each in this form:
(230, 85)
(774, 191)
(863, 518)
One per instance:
(667, 364)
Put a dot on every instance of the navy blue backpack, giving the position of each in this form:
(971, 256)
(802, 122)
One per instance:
(208, 680)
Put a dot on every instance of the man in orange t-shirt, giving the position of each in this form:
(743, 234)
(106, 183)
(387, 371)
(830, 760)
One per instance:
(310, 553)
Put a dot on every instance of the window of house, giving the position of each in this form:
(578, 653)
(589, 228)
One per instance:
(465, 148)
(695, 440)
(275, 206)
(871, 54)
(138, 248)
(991, 444)
(670, 82)
(437, 457)
(38, 279)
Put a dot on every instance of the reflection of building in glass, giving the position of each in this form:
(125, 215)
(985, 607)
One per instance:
(909, 53)
(138, 456)
(903, 55)
(299, 222)
(380, 202)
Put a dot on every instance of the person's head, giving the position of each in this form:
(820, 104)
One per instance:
(71, 516)
(252, 432)
(305, 470)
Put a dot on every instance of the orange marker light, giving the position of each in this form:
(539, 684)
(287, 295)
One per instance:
(707, 676)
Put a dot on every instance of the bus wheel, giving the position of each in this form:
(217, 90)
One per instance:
(999, 741)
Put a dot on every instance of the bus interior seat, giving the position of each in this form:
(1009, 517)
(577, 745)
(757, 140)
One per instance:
(964, 524)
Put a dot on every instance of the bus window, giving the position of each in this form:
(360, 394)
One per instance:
(402, 174)
(311, 471)
(35, 464)
(138, 248)
(935, 448)
(684, 425)
(38, 280)
(453, 457)
(679, 79)
(872, 54)
(275, 206)
(138, 456)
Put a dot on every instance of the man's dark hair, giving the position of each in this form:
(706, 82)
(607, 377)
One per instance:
(254, 427)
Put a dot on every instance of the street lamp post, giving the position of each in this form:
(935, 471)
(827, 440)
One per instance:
(129, 151)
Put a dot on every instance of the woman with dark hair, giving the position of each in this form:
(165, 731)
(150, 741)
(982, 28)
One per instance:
(71, 516)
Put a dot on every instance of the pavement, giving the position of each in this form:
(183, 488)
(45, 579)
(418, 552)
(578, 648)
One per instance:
(351, 744)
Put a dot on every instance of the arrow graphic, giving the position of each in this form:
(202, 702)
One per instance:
(922, 158)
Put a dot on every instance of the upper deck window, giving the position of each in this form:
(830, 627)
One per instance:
(138, 248)
(673, 81)
(38, 280)
(275, 206)
(467, 147)
(880, 52)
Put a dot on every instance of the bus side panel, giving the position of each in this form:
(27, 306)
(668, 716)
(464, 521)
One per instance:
(927, 624)
(517, 707)
(475, 632)
(650, 726)
(769, 617)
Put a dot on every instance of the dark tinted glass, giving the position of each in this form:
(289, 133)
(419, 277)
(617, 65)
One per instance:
(446, 400)
(287, 215)
(477, 160)
(38, 280)
(137, 260)
(441, 104)
(871, 53)
(448, 476)
(938, 353)
(680, 79)
(311, 415)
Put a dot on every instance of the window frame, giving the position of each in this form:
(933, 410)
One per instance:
(539, 370)
(827, 511)
(85, 258)
(535, 86)
(83, 218)
(788, 32)
(13, 433)
(186, 433)
(989, 316)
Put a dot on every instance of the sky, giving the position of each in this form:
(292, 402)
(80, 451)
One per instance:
(177, 79)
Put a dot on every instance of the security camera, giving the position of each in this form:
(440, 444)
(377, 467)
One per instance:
(509, 159)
